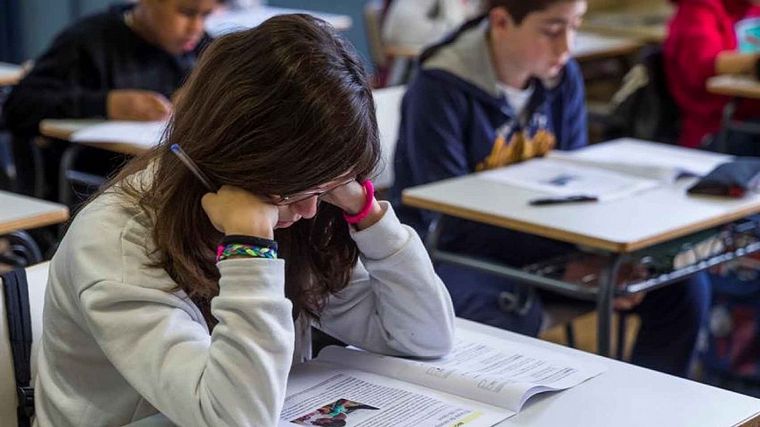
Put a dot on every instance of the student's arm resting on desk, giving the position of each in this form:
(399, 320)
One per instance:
(58, 86)
(236, 376)
(395, 303)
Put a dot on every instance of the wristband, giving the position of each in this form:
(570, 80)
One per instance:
(369, 189)
(249, 240)
(237, 249)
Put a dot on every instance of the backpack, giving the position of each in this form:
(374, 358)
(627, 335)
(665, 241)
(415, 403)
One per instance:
(643, 107)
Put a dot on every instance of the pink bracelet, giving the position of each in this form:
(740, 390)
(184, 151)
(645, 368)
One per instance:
(369, 189)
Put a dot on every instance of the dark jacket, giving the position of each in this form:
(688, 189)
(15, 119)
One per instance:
(89, 58)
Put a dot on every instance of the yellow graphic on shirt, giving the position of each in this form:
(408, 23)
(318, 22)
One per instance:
(519, 148)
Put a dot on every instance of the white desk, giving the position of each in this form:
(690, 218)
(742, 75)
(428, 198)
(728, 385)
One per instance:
(21, 212)
(588, 47)
(616, 227)
(626, 225)
(645, 21)
(591, 46)
(740, 86)
(388, 111)
(10, 74)
(228, 20)
(623, 396)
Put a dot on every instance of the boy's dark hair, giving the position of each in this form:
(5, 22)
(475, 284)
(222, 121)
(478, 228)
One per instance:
(519, 9)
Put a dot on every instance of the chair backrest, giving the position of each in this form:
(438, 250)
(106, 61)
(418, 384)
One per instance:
(37, 276)
(388, 109)
(373, 19)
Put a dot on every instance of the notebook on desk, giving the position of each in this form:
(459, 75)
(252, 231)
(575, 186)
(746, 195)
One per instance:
(481, 383)
(644, 159)
(607, 171)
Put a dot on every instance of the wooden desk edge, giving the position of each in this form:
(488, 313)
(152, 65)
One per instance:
(716, 86)
(117, 147)
(574, 238)
(55, 217)
(10, 81)
(753, 421)
(51, 130)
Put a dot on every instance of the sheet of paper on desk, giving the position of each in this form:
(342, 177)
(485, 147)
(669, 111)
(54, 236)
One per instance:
(645, 159)
(561, 178)
(145, 134)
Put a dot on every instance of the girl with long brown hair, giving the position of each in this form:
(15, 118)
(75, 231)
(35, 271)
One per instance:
(166, 296)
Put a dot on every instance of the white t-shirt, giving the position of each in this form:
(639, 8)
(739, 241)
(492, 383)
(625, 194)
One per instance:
(517, 98)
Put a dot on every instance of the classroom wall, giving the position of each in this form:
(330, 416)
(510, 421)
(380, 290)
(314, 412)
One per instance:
(42, 19)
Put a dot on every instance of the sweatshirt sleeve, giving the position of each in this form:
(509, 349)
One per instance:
(395, 304)
(694, 42)
(432, 129)
(571, 110)
(58, 86)
(235, 376)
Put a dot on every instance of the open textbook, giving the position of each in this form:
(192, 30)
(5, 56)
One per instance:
(607, 171)
(481, 383)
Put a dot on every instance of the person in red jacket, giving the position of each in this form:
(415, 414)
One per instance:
(702, 43)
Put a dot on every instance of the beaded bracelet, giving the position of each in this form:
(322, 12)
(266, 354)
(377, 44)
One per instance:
(239, 249)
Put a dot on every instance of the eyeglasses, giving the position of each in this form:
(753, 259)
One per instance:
(284, 200)
(290, 199)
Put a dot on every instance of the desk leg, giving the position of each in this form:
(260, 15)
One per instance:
(604, 305)
(722, 138)
(67, 164)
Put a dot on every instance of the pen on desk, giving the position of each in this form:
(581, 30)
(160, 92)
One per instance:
(187, 161)
(559, 200)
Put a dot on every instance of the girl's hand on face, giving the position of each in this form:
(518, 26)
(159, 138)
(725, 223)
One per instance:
(233, 210)
(349, 197)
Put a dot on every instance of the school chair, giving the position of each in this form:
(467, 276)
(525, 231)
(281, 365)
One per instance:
(388, 113)
(393, 64)
(21, 305)
(373, 15)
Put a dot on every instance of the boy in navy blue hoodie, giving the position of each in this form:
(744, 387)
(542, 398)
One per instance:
(503, 89)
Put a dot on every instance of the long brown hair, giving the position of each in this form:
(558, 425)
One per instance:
(277, 109)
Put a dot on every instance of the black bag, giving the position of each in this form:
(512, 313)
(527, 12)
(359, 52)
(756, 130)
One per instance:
(16, 291)
(643, 107)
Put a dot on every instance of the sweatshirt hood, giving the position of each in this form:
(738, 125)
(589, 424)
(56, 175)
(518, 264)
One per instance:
(466, 55)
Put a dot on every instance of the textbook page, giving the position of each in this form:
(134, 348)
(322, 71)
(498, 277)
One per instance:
(503, 374)
(652, 160)
(143, 134)
(321, 394)
(562, 178)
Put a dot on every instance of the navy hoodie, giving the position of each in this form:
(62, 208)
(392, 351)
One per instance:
(453, 116)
